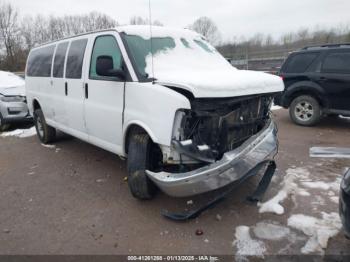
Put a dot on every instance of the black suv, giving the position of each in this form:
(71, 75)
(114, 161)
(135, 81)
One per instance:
(317, 83)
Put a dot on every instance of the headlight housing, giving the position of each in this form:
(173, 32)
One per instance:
(10, 99)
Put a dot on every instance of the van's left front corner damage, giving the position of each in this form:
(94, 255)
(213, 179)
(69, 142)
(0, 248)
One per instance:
(224, 139)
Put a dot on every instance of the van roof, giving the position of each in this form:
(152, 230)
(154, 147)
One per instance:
(141, 30)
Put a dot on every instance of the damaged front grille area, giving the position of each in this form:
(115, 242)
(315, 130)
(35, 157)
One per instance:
(215, 126)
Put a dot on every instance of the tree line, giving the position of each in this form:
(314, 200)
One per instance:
(18, 35)
(264, 45)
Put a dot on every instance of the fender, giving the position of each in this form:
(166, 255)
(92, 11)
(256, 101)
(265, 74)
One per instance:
(140, 124)
(305, 87)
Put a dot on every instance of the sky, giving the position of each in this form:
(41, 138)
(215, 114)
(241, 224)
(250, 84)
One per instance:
(234, 18)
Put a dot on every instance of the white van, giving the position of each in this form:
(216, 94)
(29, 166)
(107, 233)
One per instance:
(187, 121)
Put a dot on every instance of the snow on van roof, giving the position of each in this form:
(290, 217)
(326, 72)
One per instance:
(157, 31)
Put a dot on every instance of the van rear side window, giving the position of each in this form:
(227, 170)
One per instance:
(58, 64)
(299, 63)
(40, 61)
(75, 58)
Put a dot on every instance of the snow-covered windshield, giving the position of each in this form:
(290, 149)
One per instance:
(173, 55)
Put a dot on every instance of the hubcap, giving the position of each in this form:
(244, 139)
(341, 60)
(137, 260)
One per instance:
(40, 127)
(304, 111)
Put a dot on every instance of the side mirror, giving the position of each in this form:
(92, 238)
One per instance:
(104, 67)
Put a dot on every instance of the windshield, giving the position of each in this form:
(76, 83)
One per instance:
(173, 55)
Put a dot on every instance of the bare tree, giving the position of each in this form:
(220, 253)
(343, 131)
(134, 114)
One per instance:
(138, 20)
(9, 36)
(206, 27)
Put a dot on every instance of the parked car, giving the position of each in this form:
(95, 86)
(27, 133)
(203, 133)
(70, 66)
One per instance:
(13, 107)
(344, 202)
(187, 121)
(317, 83)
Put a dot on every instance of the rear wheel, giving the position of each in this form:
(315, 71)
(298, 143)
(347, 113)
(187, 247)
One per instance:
(46, 133)
(305, 110)
(143, 155)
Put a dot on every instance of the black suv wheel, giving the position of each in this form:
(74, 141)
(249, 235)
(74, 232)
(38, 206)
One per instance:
(305, 110)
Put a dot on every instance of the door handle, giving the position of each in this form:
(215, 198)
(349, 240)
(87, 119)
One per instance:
(322, 78)
(66, 88)
(86, 90)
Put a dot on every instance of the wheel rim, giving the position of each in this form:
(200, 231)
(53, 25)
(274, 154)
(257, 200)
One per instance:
(40, 127)
(304, 111)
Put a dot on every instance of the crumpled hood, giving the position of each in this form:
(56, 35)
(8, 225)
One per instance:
(11, 84)
(226, 83)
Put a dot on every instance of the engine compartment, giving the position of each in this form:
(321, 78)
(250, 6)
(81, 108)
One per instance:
(217, 125)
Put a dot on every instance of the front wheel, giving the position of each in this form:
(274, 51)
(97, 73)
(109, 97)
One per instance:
(143, 155)
(46, 133)
(305, 110)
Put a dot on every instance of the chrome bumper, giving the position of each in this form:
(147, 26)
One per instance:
(233, 166)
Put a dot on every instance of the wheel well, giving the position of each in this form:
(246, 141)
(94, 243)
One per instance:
(36, 105)
(315, 95)
(133, 129)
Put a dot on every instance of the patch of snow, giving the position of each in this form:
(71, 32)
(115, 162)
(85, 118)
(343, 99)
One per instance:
(323, 185)
(335, 199)
(21, 133)
(48, 146)
(318, 230)
(190, 202)
(246, 246)
(198, 67)
(270, 231)
(289, 186)
(274, 107)
(316, 184)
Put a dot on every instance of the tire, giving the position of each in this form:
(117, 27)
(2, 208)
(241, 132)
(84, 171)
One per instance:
(46, 133)
(305, 110)
(3, 126)
(141, 158)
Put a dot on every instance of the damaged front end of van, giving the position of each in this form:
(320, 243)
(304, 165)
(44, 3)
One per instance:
(222, 129)
(217, 142)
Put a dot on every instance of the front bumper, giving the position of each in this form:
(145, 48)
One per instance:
(233, 166)
(344, 203)
(14, 112)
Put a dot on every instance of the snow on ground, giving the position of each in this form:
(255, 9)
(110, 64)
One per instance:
(323, 185)
(270, 231)
(299, 181)
(48, 146)
(289, 186)
(318, 230)
(246, 246)
(22, 133)
(274, 107)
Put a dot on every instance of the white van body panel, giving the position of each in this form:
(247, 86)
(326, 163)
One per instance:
(152, 107)
(104, 106)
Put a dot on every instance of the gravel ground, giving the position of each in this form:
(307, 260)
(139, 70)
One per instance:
(71, 198)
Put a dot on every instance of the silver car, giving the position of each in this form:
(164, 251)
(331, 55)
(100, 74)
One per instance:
(13, 106)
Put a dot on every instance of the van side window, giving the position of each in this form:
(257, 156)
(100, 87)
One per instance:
(40, 61)
(337, 62)
(58, 64)
(105, 46)
(75, 58)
